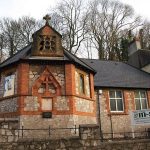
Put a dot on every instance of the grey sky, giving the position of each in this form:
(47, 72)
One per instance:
(18, 8)
(38, 8)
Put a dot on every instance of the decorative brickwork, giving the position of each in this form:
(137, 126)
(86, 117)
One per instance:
(47, 42)
(46, 85)
(57, 71)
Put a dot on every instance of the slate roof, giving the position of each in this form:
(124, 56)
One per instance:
(118, 74)
(109, 73)
(19, 55)
(26, 51)
(140, 58)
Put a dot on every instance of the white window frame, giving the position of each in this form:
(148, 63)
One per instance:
(139, 91)
(122, 99)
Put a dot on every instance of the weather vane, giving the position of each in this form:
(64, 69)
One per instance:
(47, 18)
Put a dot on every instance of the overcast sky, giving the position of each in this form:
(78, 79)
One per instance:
(38, 8)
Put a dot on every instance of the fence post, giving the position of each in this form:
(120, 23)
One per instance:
(133, 135)
(49, 131)
(18, 132)
(75, 129)
(111, 126)
(22, 131)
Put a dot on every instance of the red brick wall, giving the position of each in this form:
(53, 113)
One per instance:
(70, 79)
(23, 79)
(92, 86)
(23, 84)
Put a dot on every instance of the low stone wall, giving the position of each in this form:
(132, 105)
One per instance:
(88, 140)
(75, 144)
(8, 131)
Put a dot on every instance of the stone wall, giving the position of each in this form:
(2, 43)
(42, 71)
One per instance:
(62, 103)
(83, 105)
(31, 103)
(88, 140)
(8, 131)
(76, 144)
(9, 105)
(57, 121)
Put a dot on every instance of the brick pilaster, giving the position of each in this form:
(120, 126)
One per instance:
(23, 79)
(70, 79)
(92, 86)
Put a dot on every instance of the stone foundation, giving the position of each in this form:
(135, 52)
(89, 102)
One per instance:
(88, 140)
(57, 121)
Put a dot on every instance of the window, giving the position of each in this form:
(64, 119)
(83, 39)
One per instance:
(83, 87)
(9, 85)
(48, 43)
(81, 84)
(140, 100)
(116, 100)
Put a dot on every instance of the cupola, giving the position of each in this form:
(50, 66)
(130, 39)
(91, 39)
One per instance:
(47, 41)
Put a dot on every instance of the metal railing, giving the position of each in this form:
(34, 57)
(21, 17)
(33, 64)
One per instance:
(47, 132)
(126, 135)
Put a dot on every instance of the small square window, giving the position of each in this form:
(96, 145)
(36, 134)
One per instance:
(116, 100)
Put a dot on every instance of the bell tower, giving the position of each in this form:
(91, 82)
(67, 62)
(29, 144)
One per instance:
(47, 41)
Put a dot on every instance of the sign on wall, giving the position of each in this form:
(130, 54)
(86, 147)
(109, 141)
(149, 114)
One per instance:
(140, 117)
(9, 85)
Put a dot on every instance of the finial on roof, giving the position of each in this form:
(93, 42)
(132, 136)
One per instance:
(47, 18)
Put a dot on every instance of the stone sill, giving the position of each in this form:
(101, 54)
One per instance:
(117, 113)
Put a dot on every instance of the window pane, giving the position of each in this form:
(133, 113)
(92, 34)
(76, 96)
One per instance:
(112, 104)
(136, 93)
(120, 105)
(81, 83)
(144, 103)
(118, 94)
(112, 94)
(137, 103)
(143, 94)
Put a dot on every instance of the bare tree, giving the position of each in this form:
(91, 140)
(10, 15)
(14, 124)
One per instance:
(15, 34)
(28, 26)
(107, 21)
(10, 29)
(70, 18)
(146, 35)
(2, 46)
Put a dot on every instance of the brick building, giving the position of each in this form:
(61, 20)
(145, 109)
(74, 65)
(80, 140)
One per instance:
(45, 85)
(121, 88)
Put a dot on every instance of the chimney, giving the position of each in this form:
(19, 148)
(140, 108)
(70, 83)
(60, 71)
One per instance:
(136, 43)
